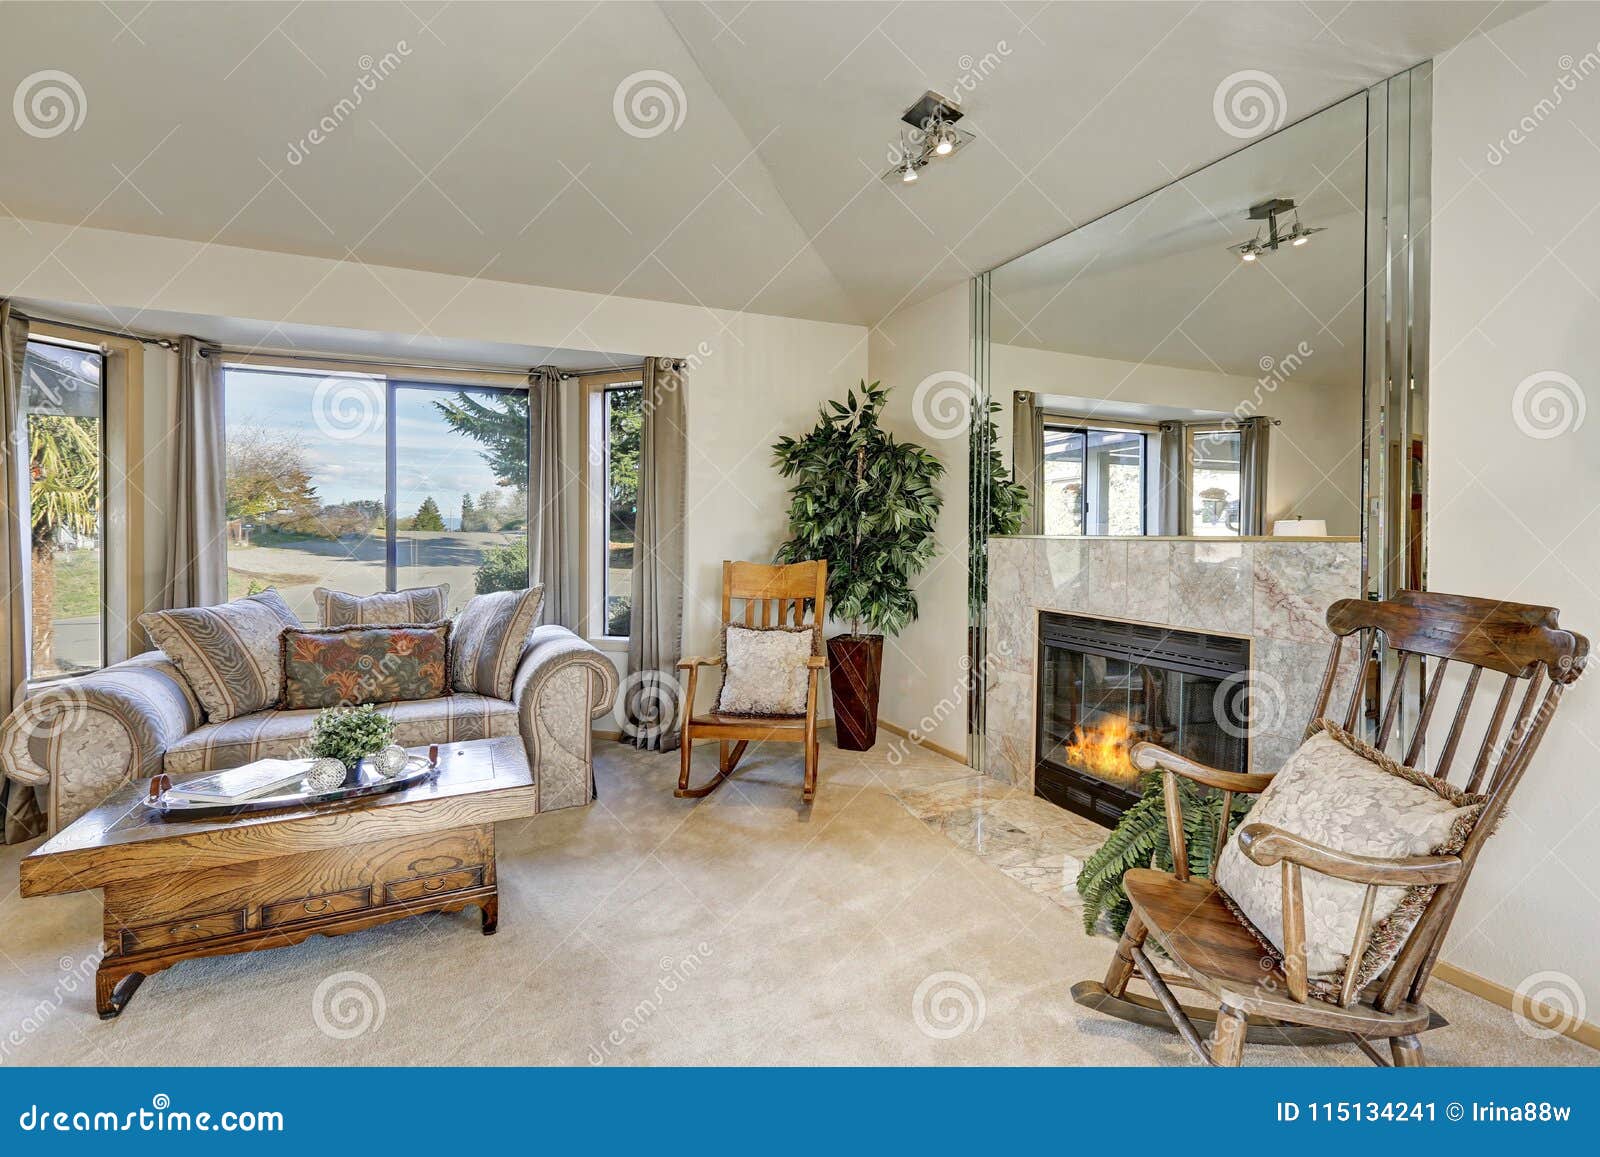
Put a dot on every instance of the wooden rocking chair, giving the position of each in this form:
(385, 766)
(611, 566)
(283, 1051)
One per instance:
(783, 594)
(1215, 951)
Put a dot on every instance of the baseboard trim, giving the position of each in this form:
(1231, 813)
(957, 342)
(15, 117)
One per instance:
(928, 744)
(1584, 1032)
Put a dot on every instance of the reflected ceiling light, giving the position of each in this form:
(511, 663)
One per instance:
(1269, 212)
(934, 136)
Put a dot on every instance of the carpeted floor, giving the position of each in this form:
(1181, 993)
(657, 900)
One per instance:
(740, 929)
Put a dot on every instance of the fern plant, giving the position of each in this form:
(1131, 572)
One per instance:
(1140, 841)
(867, 504)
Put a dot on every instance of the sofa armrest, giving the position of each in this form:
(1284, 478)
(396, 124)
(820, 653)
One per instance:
(561, 685)
(84, 738)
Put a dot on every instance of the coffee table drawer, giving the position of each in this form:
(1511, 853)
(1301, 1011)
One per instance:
(182, 931)
(424, 887)
(310, 907)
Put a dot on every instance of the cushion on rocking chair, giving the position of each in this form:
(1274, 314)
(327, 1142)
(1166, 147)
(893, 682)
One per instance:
(1345, 794)
(764, 671)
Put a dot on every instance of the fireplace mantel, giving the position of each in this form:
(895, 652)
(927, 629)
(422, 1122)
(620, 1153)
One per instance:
(1272, 591)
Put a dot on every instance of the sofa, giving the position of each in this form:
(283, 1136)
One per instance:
(78, 740)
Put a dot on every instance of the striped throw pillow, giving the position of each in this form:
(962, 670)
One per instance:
(487, 640)
(386, 609)
(230, 654)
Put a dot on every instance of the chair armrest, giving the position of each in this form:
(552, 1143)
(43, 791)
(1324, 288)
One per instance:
(550, 651)
(561, 684)
(817, 662)
(1151, 756)
(692, 662)
(1267, 845)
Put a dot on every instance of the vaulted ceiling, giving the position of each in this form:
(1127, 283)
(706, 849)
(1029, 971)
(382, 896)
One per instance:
(505, 140)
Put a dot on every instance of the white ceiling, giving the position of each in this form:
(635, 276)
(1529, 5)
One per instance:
(491, 147)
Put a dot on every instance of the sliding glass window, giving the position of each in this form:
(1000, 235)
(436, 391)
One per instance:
(1094, 480)
(1215, 484)
(362, 483)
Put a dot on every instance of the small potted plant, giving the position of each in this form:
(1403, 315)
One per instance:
(349, 734)
(866, 503)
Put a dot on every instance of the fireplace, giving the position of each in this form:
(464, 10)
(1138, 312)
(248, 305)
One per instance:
(1106, 685)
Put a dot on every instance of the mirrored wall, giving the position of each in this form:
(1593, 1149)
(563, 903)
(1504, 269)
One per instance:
(1238, 355)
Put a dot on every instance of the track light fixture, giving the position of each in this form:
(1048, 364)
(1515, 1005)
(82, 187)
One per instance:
(1269, 212)
(933, 136)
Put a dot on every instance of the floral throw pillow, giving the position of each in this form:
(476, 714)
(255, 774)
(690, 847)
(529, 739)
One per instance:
(765, 671)
(385, 609)
(229, 654)
(353, 665)
(1346, 795)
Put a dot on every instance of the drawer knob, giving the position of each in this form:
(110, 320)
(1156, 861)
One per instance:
(320, 904)
(433, 885)
(186, 928)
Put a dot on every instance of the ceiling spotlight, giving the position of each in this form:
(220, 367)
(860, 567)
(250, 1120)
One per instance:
(933, 118)
(944, 140)
(1248, 253)
(1269, 212)
(908, 172)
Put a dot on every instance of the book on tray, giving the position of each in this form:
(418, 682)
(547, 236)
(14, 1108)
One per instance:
(238, 784)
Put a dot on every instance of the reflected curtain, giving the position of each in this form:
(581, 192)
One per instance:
(1171, 482)
(1254, 441)
(23, 817)
(197, 538)
(650, 703)
(1027, 455)
(552, 558)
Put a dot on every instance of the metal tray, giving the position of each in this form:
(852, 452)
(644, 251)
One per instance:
(361, 782)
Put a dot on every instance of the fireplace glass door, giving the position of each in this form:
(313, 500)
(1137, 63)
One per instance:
(1104, 686)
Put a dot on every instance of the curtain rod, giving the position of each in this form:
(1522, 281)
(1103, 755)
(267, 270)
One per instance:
(164, 342)
(208, 351)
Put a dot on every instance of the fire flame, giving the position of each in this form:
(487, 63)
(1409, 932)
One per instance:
(1102, 749)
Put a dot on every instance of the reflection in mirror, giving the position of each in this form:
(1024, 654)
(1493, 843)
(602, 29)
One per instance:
(1192, 364)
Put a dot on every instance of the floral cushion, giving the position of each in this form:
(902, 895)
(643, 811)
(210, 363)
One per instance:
(765, 671)
(229, 654)
(352, 665)
(1342, 793)
(488, 638)
(386, 609)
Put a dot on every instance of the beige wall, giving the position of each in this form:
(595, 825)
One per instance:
(752, 377)
(1314, 468)
(923, 680)
(1516, 274)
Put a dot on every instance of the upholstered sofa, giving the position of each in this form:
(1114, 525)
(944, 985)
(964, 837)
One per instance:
(78, 740)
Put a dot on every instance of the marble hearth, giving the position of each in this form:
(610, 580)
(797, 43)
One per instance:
(1273, 592)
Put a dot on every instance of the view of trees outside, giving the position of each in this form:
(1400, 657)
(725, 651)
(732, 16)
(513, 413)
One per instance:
(306, 486)
(1216, 486)
(624, 422)
(1110, 463)
(63, 401)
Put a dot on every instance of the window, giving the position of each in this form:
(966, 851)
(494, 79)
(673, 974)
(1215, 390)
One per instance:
(614, 415)
(63, 388)
(363, 483)
(1094, 480)
(1215, 484)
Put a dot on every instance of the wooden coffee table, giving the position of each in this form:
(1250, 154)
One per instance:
(177, 889)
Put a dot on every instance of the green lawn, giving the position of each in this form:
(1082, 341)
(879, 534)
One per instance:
(77, 584)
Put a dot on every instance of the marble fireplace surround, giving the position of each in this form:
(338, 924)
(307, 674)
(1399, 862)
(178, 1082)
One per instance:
(1273, 591)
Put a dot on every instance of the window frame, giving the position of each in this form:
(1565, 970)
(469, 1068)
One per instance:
(1190, 433)
(595, 436)
(1069, 425)
(392, 379)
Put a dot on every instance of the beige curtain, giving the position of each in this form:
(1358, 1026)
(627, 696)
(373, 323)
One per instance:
(655, 636)
(197, 538)
(552, 559)
(1254, 440)
(1027, 455)
(23, 817)
(1172, 504)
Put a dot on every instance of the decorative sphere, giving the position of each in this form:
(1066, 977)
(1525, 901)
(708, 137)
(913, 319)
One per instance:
(391, 761)
(325, 774)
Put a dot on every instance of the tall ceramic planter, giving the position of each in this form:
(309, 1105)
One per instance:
(855, 672)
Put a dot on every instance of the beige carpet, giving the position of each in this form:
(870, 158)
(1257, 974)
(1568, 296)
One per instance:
(741, 929)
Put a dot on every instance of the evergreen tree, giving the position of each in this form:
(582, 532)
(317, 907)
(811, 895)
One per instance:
(469, 514)
(428, 517)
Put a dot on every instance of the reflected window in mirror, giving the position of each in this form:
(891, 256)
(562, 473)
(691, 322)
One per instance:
(1215, 487)
(1094, 480)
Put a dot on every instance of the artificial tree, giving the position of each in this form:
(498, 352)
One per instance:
(866, 503)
